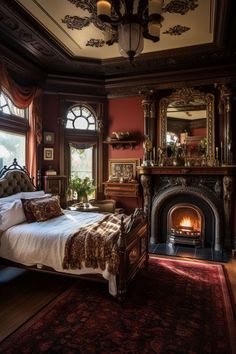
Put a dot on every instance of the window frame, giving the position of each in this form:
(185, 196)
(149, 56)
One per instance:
(15, 125)
(89, 108)
(88, 137)
(26, 111)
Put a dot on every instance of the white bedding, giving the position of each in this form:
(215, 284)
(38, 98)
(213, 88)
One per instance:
(43, 243)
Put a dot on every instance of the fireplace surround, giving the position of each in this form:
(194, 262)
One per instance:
(206, 192)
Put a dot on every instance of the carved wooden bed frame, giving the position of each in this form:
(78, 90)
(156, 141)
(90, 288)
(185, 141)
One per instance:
(133, 245)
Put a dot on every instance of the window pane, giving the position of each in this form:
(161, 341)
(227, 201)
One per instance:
(81, 162)
(69, 124)
(7, 106)
(81, 123)
(11, 146)
(92, 127)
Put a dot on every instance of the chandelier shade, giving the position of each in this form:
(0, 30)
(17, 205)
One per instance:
(130, 40)
(128, 22)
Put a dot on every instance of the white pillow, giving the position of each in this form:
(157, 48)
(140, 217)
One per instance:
(11, 213)
(30, 195)
(11, 197)
(24, 195)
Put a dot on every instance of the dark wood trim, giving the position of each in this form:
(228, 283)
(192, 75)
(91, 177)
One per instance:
(14, 124)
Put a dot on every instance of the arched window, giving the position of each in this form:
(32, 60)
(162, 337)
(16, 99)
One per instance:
(80, 117)
(81, 135)
(13, 127)
(7, 107)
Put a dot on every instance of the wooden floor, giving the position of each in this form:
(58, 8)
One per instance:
(231, 271)
(23, 294)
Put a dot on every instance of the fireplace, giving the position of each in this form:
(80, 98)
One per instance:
(173, 202)
(189, 206)
(185, 225)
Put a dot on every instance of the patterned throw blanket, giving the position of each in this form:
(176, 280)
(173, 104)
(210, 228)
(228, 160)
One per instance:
(95, 245)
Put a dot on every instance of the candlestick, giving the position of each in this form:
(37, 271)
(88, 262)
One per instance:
(221, 152)
(155, 7)
(217, 156)
(153, 155)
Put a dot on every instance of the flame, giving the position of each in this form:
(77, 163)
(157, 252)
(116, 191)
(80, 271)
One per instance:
(186, 221)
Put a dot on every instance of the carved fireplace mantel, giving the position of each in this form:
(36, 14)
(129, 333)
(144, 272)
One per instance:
(214, 184)
(182, 170)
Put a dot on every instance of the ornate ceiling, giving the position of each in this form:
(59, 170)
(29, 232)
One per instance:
(74, 25)
(63, 40)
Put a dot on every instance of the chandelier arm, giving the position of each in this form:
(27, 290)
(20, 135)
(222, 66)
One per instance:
(147, 35)
(116, 6)
(142, 6)
(129, 6)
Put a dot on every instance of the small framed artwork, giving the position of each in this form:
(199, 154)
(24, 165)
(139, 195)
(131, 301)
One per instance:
(48, 138)
(123, 170)
(48, 153)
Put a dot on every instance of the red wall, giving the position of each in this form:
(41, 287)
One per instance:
(126, 114)
(50, 113)
(199, 132)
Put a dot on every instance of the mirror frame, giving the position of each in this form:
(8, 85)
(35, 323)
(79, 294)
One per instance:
(184, 96)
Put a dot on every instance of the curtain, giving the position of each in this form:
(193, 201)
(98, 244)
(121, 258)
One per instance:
(24, 97)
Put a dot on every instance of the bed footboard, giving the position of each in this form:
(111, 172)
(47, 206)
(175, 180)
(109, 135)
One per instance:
(133, 252)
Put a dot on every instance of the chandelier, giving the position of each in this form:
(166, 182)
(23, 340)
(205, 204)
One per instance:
(130, 21)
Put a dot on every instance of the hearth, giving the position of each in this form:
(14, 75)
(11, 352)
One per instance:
(185, 225)
(190, 206)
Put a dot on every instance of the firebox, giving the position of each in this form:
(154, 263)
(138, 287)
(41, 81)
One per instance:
(185, 225)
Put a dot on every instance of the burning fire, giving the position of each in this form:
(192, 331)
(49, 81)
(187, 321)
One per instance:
(186, 222)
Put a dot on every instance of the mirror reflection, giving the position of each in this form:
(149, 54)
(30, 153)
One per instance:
(187, 128)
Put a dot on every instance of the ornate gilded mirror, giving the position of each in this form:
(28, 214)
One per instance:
(187, 124)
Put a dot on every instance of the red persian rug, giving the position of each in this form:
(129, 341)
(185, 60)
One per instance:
(173, 307)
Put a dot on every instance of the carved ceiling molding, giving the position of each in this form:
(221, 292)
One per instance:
(18, 31)
(26, 36)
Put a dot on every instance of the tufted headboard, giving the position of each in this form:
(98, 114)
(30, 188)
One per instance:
(15, 179)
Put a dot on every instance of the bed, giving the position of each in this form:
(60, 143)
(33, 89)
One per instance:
(71, 243)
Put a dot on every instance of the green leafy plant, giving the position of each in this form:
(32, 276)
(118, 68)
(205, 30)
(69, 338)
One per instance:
(82, 186)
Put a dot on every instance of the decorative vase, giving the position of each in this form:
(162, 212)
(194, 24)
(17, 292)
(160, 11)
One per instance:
(85, 200)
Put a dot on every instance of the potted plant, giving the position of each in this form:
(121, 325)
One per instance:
(83, 187)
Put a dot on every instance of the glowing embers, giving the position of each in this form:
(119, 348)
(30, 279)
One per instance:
(185, 224)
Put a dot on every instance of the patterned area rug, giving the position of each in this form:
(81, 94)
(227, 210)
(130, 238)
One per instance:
(173, 307)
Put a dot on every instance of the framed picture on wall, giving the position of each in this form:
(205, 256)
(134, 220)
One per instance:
(48, 153)
(123, 170)
(48, 138)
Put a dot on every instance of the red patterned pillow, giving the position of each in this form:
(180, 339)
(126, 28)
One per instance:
(46, 208)
(26, 203)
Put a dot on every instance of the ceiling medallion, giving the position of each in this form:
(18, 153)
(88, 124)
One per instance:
(180, 6)
(176, 30)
